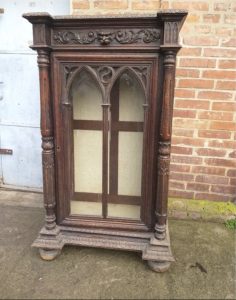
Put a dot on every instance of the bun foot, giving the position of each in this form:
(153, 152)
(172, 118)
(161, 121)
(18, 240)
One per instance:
(159, 266)
(49, 254)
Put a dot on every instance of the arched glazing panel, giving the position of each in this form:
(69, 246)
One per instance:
(87, 134)
(126, 147)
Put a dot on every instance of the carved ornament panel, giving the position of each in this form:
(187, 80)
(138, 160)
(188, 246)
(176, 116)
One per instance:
(104, 37)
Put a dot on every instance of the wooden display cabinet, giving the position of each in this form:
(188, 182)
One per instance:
(106, 90)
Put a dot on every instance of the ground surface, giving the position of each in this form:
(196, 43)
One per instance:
(103, 274)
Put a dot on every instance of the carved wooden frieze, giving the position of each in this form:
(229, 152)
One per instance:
(104, 37)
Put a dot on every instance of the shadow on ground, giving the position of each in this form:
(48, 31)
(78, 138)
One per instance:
(104, 274)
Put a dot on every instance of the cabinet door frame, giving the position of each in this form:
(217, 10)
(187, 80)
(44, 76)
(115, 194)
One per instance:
(63, 136)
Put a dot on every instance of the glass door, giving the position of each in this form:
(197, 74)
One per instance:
(87, 146)
(108, 134)
(126, 148)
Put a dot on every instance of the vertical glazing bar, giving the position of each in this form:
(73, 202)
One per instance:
(105, 133)
(114, 141)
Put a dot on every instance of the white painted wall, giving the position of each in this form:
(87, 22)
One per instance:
(19, 93)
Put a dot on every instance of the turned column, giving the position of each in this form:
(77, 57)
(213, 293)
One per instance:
(165, 142)
(47, 137)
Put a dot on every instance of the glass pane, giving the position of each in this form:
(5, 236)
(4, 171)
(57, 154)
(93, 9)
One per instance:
(87, 159)
(87, 114)
(130, 163)
(131, 99)
(87, 98)
(126, 148)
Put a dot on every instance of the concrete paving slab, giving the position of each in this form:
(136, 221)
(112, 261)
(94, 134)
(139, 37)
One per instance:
(84, 273)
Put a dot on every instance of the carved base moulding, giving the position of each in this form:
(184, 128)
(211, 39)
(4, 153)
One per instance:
(106, 98)
(157, 253)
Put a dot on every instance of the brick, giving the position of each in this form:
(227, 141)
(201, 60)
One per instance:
(220, 162)
(182, 132)
(202, 29)
(145, 4)
(213, 134)
(210, 196)
(208, 170)
(233, 6)
(197, 62)
(226, 85)
(190, 123)
(190, 52)
(114, 4)
(187, 73)
(196, 83)
(182, 176)
(214, 95)
(198, 187)
(179, 168)
(227, 64)
(232, 154)
(221, 6)
(188, 141)
(191, 18)
(199, 6)
(232, 182)
(231, 173)
(184, 113)
(183, 93)
(213, 179)
(219, 52)
(223, 125)
(229, 43)
(211, 18)
(223, 189)
(212, 115)
(165, 5)
(222, 144)
(193, 104)
(186, 159)
(224, 31)
(201, 40)
(219, 74)
(181, 150)
(210, 152)
(224, 106)
(230, 19)
(181, 194)
(80, 4)
(176, 185)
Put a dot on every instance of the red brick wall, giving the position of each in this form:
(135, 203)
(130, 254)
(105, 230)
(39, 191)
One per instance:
(203, 164)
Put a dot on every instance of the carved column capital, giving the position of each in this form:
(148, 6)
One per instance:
(43, 58)
(169, 58)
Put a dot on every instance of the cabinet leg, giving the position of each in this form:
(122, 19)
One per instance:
(159, 266)
(49, 254)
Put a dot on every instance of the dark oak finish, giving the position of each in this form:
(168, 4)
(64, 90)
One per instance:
(144, 46)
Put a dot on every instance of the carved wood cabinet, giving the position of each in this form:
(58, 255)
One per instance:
(106, 89)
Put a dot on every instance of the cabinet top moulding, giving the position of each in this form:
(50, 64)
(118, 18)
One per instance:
(148, 32)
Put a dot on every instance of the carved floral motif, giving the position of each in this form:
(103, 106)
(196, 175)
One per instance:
(163, 166)
(127, 36)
